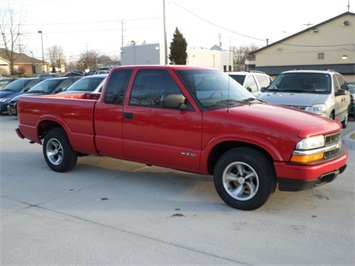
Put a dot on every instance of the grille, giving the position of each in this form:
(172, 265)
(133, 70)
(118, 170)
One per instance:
(333, 139)
(301, 107)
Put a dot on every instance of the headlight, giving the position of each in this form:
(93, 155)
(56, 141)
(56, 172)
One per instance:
(309, 150)
(311, 143)
(4, 100)
(319, 109)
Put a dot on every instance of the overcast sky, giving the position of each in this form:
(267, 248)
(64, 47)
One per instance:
(103, 25)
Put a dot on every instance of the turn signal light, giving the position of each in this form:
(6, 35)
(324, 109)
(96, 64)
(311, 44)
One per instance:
(307, 158)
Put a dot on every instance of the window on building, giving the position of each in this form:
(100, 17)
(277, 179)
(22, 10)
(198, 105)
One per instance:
(320, 56)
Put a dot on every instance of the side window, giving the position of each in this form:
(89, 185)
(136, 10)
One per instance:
(150, 85)
(264, 81)
(342, 82)
(117, 86)
(335, 84)
(65, 84)
(251, 84)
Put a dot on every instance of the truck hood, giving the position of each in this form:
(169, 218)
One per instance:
(273, 120)
(293, 99)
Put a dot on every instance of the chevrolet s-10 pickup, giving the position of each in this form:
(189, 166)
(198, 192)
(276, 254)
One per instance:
(191, 119)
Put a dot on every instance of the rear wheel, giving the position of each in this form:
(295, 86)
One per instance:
(244, 178)
(58, 152)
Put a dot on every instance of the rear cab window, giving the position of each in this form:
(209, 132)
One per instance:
(117, 86)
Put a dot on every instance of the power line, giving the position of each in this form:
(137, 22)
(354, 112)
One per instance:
(85, 22)
(218, 26)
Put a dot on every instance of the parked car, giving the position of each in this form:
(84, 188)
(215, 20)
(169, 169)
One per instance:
(75, 73)
(47, 86)
(90, 72)
(352, 99)
(15, 88)
(322, 92)
(48, 75)
(5, 81)
(91, 83)
(101, 71)
(252, 81)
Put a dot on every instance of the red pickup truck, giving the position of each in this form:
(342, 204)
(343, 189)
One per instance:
(192, 119)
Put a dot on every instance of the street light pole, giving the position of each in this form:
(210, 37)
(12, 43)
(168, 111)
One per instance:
(165, 38)
(42, 50)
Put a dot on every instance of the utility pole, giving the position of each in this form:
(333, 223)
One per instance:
(165, 38)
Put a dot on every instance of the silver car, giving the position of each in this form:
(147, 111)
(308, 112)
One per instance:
(322, 92)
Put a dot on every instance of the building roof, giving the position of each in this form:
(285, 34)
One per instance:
(301, 32)
(20, 58)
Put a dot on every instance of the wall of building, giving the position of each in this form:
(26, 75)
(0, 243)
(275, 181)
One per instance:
(146, 54)
(153, 54)
(332, 39)
(222, 60)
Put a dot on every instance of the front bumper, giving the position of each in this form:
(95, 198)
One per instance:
(296, 177)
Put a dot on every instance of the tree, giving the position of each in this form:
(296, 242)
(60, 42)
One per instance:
(88, 59)
(56, 56)
(10, 29)
(178, 46)
(240, 54)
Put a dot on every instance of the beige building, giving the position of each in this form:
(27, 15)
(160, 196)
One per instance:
(23, 64)
(328, 45)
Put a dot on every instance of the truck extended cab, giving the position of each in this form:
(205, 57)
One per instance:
(192, 119)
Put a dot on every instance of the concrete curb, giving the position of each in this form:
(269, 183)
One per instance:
(348, 142)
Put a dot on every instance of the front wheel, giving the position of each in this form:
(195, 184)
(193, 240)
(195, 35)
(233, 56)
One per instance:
(345, 121)
(244, 178)
(58, 152)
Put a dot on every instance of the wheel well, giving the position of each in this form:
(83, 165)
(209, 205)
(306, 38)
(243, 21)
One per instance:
(223, 147)
(45, 127)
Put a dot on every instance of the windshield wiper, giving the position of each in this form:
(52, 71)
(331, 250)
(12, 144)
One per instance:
(230, 102)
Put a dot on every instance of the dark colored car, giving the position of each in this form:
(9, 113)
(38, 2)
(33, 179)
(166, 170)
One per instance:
(352, 99)
(75, 73)
(91, 83)
(48, 75)
(5, 81)
(47, 86)
(15, 88)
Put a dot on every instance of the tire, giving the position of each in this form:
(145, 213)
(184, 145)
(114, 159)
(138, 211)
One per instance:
(244, 178)
(58, 152)
(345, 121)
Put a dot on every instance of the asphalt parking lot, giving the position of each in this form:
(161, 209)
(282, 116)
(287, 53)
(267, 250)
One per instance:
(108, 211)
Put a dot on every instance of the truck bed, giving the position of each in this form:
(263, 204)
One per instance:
(76, 110)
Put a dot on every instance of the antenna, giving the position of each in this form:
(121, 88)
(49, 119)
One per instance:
(229, 80)
(348, 5)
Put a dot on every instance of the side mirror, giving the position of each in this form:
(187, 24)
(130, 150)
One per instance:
(58, 90)
(262, 89)
(341, 92)
(173, 100)
(26, 89)
(249, 89)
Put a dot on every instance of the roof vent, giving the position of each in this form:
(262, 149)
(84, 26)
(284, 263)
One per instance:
(346, 23)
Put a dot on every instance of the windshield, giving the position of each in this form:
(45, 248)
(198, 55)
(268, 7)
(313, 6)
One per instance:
(86, 84)
(45, 86)
(302, 82)
(214, 88)
(17, 85)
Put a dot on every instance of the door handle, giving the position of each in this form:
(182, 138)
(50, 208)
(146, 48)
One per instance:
(128, 115)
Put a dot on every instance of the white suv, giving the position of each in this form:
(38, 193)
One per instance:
(322, 92)
(252, 81)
